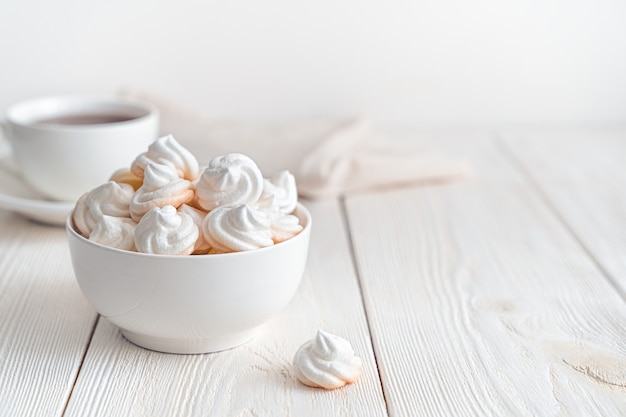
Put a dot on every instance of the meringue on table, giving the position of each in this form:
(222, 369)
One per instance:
(327, 361)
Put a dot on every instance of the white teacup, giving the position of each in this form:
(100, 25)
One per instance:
(65, 146)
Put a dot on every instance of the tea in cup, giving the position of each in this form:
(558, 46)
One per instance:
(65, 146)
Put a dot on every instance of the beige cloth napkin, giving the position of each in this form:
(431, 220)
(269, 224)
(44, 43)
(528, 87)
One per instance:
(328, 159)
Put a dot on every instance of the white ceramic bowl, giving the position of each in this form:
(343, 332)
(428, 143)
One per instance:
(190, 304)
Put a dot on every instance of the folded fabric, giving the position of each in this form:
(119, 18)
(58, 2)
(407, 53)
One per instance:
(328, 159)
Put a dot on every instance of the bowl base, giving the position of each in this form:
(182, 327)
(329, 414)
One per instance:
(190, 346)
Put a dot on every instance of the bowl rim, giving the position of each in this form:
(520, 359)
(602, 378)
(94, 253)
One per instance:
(300, 208)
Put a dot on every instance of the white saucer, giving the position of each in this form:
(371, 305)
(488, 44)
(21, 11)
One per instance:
(18, 197)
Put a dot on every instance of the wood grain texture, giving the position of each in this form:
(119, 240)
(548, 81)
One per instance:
(482, 304)
(256, 379)
(583, 176)
(45, 323)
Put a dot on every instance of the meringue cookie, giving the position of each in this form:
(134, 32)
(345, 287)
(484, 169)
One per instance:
(161, 187)
(283, 186)
(237, 227)
(124, 175)
(167, 150)
(327, 361)
(229, 179)
(283, 225)
(165, 231)
(201, 246)
(111, 198)
(115, 232)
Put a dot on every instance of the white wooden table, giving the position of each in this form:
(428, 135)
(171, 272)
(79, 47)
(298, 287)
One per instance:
(503, 295)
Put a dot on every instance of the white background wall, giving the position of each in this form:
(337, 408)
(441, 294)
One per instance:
(415, 62)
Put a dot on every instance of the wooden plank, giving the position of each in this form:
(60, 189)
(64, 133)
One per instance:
(256, 379)
(583, 176)
(45, 323)
(481, 303)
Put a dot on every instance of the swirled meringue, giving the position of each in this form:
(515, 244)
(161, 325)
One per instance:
(237, 227)
(283, 186)
(283, 226)
(111, 198)
(165, 231)
(125, 176)
(167, 150)
(229, 179)
(115, 232)
(161, 187)
(201, 246)
(327, 361)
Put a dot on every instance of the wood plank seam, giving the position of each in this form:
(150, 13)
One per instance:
(357, 272)
(82, 361)
(519, 165)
